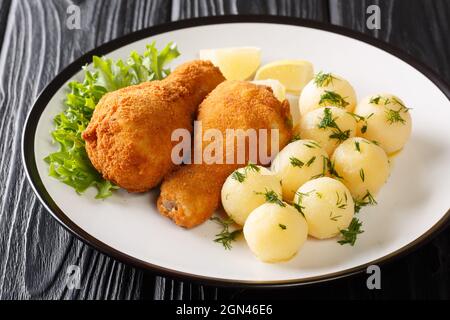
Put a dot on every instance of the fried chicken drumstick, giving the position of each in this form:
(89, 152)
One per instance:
(190, 195)
(129, 137)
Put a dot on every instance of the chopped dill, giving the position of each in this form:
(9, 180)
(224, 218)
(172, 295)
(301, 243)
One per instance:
(298, 205)
(334, 218)
(226, 237)
(332, 170)
(357, 147)
(312, 144)
(359, 118)
(295, 137)
(323, 79)
(329, 122)
(341, 202)
(272, 197)
(350, 234)
(310, 161)
(240, 177)
(324, 169)
(367, 200)
(296, 162)
(393, 116)
(332, 98)
(252, 167)
(362, 174)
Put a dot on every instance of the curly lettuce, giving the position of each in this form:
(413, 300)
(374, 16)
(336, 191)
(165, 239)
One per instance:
(71, 164)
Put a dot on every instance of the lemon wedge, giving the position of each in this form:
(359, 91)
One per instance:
(279, 91)
(293, 74)
(239, 63)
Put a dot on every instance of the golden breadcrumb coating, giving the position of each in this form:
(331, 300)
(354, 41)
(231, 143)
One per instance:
(129, 137)
(190, 195)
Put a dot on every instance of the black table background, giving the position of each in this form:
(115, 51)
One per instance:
(35, 45)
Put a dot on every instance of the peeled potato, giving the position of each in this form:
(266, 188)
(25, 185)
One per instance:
(239, 198)
(327, 90)
(297, 163)
(363, 166)
(327, 205)
(293, 107)
(388, 121)
(275, 233)
(313, 126)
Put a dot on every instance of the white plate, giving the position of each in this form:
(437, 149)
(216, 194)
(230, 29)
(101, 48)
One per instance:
(412, 205)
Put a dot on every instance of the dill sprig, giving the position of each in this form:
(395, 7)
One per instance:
(371, 142)
(226, 237)
(323, 79)
(396, 101)
(341, 202)
(295, 162)
(378, 100)
(393, 116)
(252, 167)
(295, 137)
(334, 218)
(329, 122)
(357, 146)
(340, 135)
(299, 208)
(240, 177)
(331, 169)
(324, 169)
(332, 98)
(312, 144)
(272, 197)
(350, 234)
(367, 200)
(362, 175)
(359, 118)
(310, 161)
(298, 205)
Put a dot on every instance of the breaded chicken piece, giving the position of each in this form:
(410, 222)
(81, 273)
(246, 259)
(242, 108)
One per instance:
(190, 195)
(129, 137)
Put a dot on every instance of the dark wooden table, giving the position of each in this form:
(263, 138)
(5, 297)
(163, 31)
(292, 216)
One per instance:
(35, 45)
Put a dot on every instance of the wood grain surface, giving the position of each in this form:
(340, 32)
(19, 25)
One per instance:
(35, 45)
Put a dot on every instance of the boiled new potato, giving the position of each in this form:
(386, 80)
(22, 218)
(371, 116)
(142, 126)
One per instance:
(293, 107)
(387, 121)
(235, 63)
(275, 232)
(328, 126)
(297, 163)
(327, 90)
(363, 166)
(327, 205)
(243, 191)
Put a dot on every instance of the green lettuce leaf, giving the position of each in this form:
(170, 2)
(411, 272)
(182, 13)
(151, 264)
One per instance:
(70, 164)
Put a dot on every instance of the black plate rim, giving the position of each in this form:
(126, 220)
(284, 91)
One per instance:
(28, 155)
